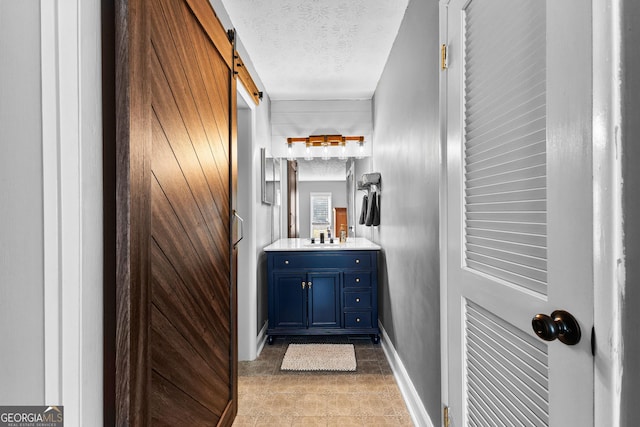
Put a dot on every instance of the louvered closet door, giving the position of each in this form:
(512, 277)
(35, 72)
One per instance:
(519, 210)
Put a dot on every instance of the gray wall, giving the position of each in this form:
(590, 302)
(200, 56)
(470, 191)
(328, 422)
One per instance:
(21, 206)
(406, 153)
(630, 410)
(258, 217)
(264, 215)
(338, 190)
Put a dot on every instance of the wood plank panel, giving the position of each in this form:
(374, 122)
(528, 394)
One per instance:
(178, 169)
(133, 143)
(212, 88)
(218, 78)
(206, 16)
(174, 359)
(192, 317)
(190, 223)
(215, 78)
(175, 408)
(185, 260)
(176, 326)
(190, 211)
(188, 99)
(214, 118)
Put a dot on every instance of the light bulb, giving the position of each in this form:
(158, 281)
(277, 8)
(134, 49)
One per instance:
(360, 150)
(290, 151)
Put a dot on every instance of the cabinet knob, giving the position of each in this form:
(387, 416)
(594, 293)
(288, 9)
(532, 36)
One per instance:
(286, 261)
(357, 261)
(303, 285)
(357, 299)
(357, 320)
(357, 280)
(309, 284)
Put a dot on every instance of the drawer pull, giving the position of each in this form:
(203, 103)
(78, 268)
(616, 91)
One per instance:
(357, 320)
(286, 261)
(357, 299)
(357, 261)
(357, 280)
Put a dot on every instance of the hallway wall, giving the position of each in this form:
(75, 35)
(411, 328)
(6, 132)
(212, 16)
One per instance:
(51, 214)
(630, 132)
(254, 132)
(21, 186)
(406, 153)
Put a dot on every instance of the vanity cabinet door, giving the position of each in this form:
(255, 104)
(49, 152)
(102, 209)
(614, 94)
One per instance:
(289, 300)
(324, 300)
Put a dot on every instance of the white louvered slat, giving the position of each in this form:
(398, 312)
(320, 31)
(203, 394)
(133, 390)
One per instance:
(499, 187)
(498, 151)
(516, 248)
(515, 257)
(539, 217)
(473, 173)
(530, 205)
(505, 150)
(507, 372)
(529, 228)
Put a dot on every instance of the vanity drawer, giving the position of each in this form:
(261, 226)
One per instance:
(357, 279)
(357, 319)
(344, 259)
(358, 299)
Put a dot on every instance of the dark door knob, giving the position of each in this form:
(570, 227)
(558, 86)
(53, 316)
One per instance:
(560, 324)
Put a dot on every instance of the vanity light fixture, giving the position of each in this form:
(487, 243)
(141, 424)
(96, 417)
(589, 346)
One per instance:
(326, 143)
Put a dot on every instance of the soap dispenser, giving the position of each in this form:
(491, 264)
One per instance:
(343, 233)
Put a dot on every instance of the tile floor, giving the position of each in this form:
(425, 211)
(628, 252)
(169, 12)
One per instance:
(274, 398)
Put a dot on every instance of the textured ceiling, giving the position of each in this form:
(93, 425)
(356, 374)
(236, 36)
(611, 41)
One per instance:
(317, 49)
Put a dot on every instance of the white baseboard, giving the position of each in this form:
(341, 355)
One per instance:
(417, 411)
(262, 338)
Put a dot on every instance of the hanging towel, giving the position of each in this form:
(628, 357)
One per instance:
(372, 208)
(376, 213)
(363, 211)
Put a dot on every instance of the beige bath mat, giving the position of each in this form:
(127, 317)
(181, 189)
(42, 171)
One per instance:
(319, 357)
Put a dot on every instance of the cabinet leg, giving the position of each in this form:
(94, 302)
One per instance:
(375, 338)
(270, 339)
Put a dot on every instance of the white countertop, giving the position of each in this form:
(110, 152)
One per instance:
(352, 244)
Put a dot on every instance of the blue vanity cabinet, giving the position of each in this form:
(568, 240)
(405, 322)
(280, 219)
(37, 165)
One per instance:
(306, 300)
(289, 296)
(322, 293)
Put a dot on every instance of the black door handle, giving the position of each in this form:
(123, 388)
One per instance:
(560, 324)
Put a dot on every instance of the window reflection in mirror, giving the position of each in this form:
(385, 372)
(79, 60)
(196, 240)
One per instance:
(320, 211)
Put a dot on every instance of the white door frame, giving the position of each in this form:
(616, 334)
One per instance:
(607, 212)
(247, 260)
(72, 208)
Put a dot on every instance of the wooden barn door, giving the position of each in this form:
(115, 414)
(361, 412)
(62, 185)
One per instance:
(176, 323)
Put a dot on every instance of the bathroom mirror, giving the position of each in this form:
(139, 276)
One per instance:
(335, 176)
